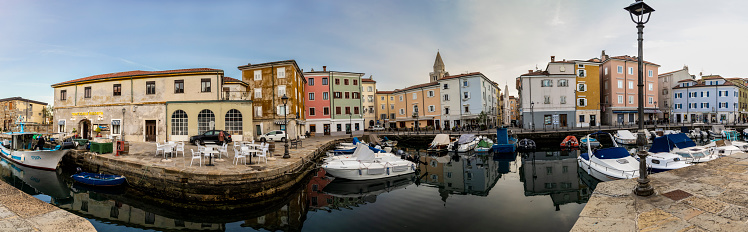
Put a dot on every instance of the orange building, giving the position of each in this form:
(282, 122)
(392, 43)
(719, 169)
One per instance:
(418, 106)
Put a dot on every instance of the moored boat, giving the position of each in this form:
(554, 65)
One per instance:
(484, 145)
(366, 166)
(606, 164)
(589, 142)
(570, 142)
(625, 137)
(440, 143)
(682, 146)
(465, 143)
(98, 179)
(504, 143)
(24, 150)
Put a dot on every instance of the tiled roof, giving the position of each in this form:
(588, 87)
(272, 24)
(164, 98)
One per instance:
(268, 63)
(368, 80)
(629, 58)
(138, 73)
(686, 80)
(230, 79)
(416, 86)
(461, 75)
(709, 77)
(385, 92)
(670, 72)
(22, 99)
(701, 84)
(535, 73)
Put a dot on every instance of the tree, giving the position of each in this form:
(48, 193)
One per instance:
(48, 113)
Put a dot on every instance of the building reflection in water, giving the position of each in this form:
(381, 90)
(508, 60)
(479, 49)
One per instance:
(465, 174)
(553, 173)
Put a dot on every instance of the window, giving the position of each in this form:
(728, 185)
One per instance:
(150, 87)
(369, 89)
(178, 86)
(347, 95)
(563, 83)
(337, 110)
(281, 72)
(650, 73)
(631, 70)
(430, 93)
(581, 73)
(205, 85)
(392, 98)
(324, 81)
(664, 91)
(582, 102)
(206, 121)
(620, 84)
(631, 99)
(446, 110)
(581, 118)
(117, 90)
(337, 81)
(355, 95)
(446, 97)
(415, 109)
(312, 111)
(563, 99)
(258, 75)
(310, 81)
(546, 83)
(382, 106)
(345, 81)
(465, 83)
(606, 70)
(281, 90)
(311, 96)
(355, 82)
(116, 126)
(258, 112)
(650, 100)
(281, 110)
(355, 110)
(650, 86)
(465, 95)
(620, 99)
(546, 99)
(401, 98)
(371, 98)
(233, 122)
(467, 109)
(446, 86)
(620, 69)
(582, 87)
(631, 85)
(326, 110)
(63, 95)
(432, 108)
(347, 110)
(258, 93)
(87, 92)
(325, 95)
(392, 106)
(179, 123)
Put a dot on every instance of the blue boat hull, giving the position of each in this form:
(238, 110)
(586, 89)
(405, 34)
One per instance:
(98, 179)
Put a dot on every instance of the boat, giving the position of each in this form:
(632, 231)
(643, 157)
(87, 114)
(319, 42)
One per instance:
(716, 131)
(440, 143)
(745, 132)
(665, 161)
(592, 142)
(724, 147)
(21, 150)
(465, 143)
(98, 179)
(504, 143)
(570, 142)
(526, 145)
(607, 164)
(682, 146)
(484, 145)
(730, 134)
(696, 133)
(647, 133)
(625, 137)
(366, 166)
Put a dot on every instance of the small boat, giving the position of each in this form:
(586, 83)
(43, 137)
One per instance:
(664, 161)
(716, 131)
(504, 143)
(526, 145)
(440, 143)
(592, 142)
(625, 137)
(682, 146)
(723, 147)
(695, 133)
(21, 150)
(465, 143)
(484, 145)
(570, 142)
(607, 164)
(98, 179)
(365, 165)
(745, 132)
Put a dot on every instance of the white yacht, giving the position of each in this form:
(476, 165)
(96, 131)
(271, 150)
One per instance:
(681, 145)
(625, 137)
(365, 165)
(607, 164)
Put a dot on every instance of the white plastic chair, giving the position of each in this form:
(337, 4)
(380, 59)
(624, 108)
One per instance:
(180, 147)
(238, 155)
(196, 156)
(160, 147)
(263, 154)
(206, 152)
(223, 150)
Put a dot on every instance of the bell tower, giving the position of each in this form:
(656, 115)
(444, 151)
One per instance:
(439, 71)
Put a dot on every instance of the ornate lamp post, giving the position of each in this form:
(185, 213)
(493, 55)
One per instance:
(638, 12)
(532, 115)
(350, 123)
(285, 123)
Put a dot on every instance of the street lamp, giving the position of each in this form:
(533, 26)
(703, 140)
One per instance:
(532, 115)
(350, 123)
(641, 10)
(285, 123)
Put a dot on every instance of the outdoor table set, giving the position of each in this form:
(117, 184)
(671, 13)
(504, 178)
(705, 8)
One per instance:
(171, 147)
(249, 149)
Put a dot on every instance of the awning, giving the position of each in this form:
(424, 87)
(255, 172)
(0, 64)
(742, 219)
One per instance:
(61, 122)
(646, 111)
(115, 122)
(281, 122)
(300, 122)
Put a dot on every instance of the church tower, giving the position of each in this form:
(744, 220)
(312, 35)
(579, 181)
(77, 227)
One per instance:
(438, 72)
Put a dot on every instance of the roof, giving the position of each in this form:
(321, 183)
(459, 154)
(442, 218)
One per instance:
(292, 62)
(701, 84)
(138, 73)
(385, 92)
(686, 80)
(671, 72)
(629, 58)
(461, 75)
(512, 97)
(233, 80)
(22, 99)
(368, 80)
(417, 86)
(535, 73)
(709, 77)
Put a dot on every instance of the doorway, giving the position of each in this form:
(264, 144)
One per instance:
(85, 129)
(562, 120)
(326, 128)
(150, 130)
(593, 120)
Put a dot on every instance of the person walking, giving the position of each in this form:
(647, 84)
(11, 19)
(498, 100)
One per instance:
(220, 138)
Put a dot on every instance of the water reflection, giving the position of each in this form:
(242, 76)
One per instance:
(554, 173)
(466, 174)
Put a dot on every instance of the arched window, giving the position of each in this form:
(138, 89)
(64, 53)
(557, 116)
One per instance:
(179, 123)
(234, 122)
(206, 121)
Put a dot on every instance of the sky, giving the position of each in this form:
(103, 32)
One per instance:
(394, 42)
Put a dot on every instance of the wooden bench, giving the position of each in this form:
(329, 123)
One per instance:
(296, 143)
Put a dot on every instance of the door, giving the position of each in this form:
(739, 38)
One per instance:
(593, 120)
(562, 120)
(326, 127)
(347, 128)
(150, 130)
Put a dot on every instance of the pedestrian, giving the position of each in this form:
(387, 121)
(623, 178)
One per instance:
(220, 138)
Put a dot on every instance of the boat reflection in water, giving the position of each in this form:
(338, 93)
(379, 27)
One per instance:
(554, 173)
(35, 181)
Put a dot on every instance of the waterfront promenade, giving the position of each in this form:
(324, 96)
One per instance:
(705, 197)
(22, 212)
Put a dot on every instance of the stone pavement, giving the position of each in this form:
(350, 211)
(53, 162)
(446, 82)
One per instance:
(705, 197)
(22, 212)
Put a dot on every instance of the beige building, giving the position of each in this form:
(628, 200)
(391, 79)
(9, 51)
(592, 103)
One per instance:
(18, 109)
(368, 102)
(153, 105)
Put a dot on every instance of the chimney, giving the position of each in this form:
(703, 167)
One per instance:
(529, 70)
(324, 68)
(553, 58)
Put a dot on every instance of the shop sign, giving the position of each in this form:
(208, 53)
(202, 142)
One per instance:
(87, 113)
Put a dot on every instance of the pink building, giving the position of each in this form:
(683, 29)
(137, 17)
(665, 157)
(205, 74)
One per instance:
(317, 93)
(620, 95)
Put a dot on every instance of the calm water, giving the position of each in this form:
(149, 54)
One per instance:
(538, 191)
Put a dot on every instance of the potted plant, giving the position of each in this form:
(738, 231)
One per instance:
(98, 131)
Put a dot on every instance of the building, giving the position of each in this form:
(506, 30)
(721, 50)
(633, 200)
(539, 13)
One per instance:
(439, 70)
(587, 92)
(547, 97)
(153, 105)
(368, 92)
(712, 99)
(469, 100)
(334, 102)
(17, 109)
(666, 82)
(385, 101)
(620, 91)
(513, 111)
(418, 106)
(268, 83)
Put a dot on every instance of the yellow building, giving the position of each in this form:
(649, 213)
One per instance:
(587, 92)
(385, 102)
(368, 103)
(18, 109)
(418, 104)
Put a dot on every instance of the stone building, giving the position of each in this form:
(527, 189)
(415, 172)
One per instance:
(268, 83)
(153, 105)
(18, 109)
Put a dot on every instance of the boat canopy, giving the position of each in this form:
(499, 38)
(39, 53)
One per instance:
(625, 134)
(356, 141)
(483, 143)
(612, 153)
(666, 143)
(684, 129)
(466, 138)
(363, 153)
(441, 139)
(718, 128)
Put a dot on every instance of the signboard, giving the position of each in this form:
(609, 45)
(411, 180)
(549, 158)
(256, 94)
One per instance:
(87, 113)
(555, 119)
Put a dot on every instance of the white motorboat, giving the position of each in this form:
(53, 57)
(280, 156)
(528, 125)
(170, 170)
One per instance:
(681, 145)
(607, 164)
(466, 142)
(367, 166)
(724, 147)
(664, 161)
(21, 150)
(716, 131)
(696, 133)
(625, 137)
(440, 143)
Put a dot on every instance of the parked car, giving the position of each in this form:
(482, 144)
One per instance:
(276, 135)
(377, 128)
(210, 136)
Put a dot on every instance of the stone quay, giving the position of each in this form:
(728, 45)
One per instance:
(712, 196)
(176, 180)
(22, 212)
